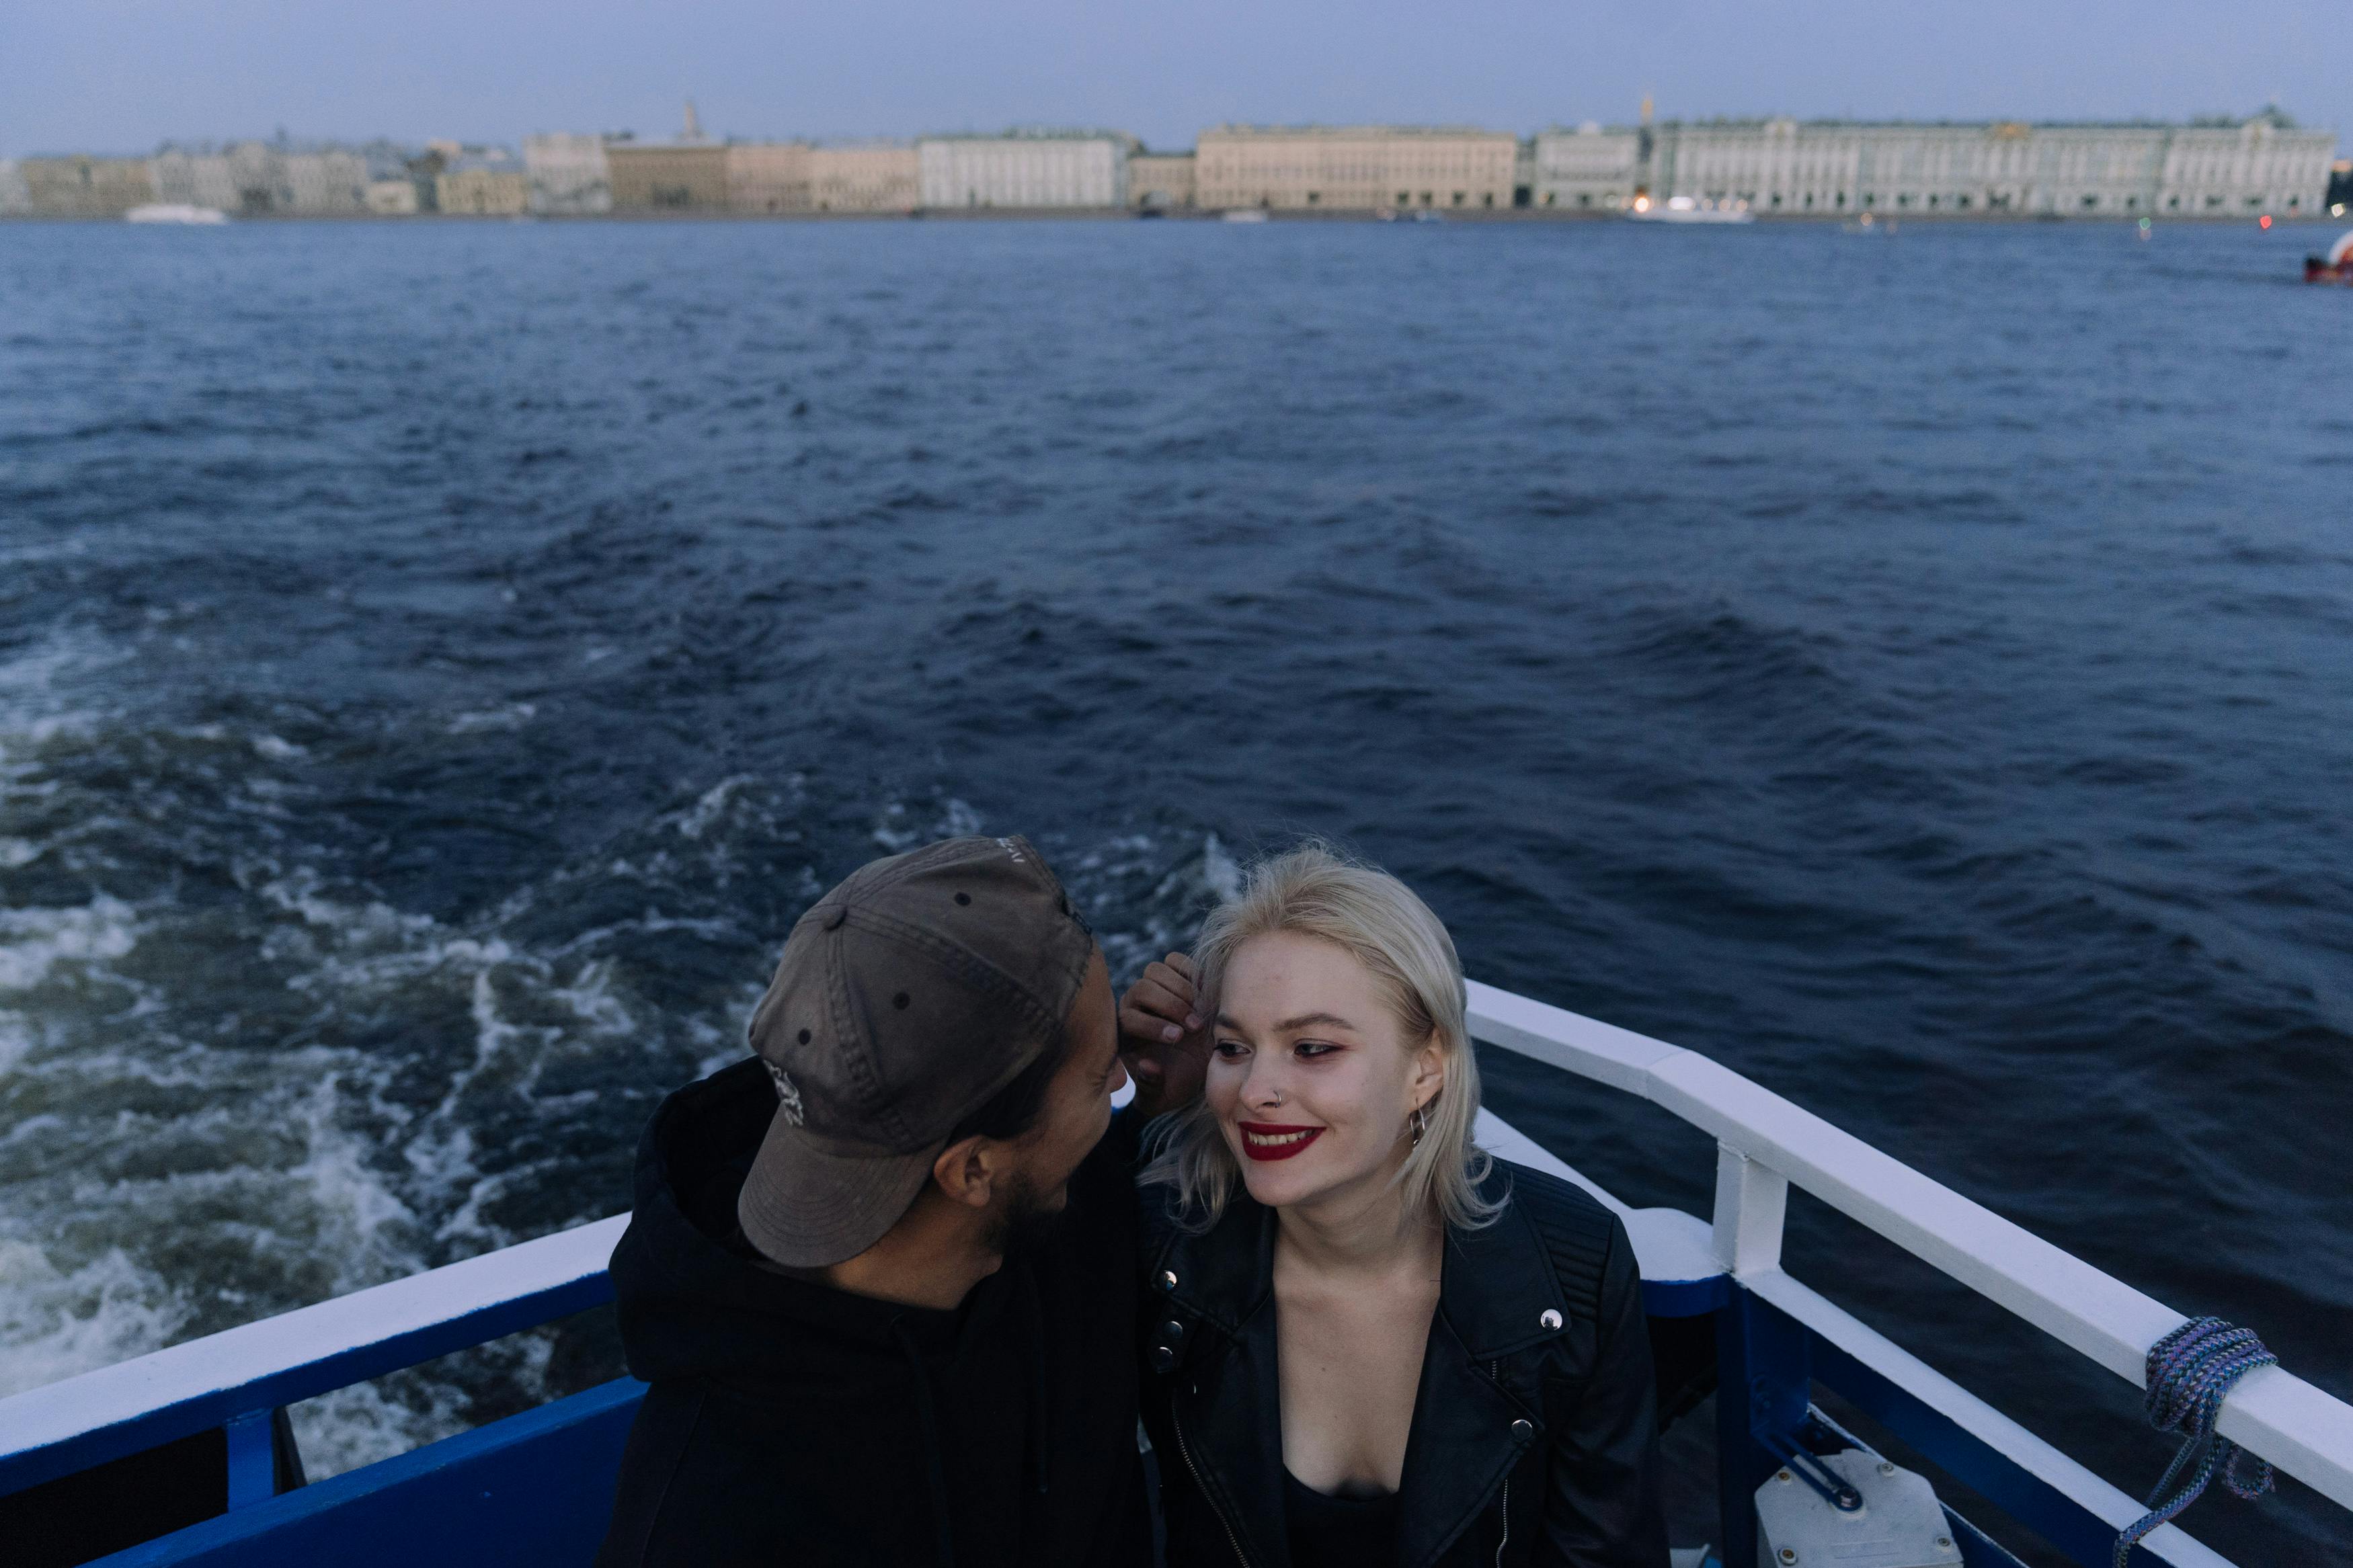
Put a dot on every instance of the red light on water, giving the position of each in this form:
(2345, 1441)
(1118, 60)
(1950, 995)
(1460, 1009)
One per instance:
(2264, 221)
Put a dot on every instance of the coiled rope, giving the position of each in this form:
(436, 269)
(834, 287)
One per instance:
(2190, 1372)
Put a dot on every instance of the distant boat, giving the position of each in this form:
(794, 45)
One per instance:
(1685, 209)
(1426, 215)
(1247, 215)
(176, 212)
(2335, 267)
(1867, 224)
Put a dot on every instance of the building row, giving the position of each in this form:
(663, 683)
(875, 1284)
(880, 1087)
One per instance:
(2262, 165)
(2226, 169)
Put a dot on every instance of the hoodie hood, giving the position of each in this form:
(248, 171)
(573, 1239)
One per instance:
(696, 1302)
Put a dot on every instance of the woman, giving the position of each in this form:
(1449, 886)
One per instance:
(1365, 1342)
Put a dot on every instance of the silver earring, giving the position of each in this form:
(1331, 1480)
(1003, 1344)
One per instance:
(1419, 1122)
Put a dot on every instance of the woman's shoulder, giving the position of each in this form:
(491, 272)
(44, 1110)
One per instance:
(1578, 1234)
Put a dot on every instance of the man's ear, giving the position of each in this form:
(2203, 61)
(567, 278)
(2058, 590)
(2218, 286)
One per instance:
(967, 1171)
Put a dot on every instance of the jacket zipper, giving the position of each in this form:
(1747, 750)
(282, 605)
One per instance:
(1495, 1374)
(1232, 1539)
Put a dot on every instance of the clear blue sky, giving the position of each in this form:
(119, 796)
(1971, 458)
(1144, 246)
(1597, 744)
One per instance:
(122, 74)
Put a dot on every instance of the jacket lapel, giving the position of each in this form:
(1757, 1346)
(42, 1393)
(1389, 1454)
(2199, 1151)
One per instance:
(1496, 1291)
(1228, 1399)
(1461, 1446)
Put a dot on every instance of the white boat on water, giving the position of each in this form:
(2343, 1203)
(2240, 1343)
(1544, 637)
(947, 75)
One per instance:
(1689, 209)
(185, 1456)
(1247, 215)
(176, 212)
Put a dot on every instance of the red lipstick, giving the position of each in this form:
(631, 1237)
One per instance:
(1266, 1141)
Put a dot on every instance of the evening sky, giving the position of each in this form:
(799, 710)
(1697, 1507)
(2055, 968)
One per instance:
(123, 75)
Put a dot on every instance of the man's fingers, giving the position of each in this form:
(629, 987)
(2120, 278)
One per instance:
(1139, 1024)
(1177, 976)
(1170, 1002)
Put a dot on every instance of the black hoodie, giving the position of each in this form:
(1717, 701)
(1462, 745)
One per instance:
(792, 1424)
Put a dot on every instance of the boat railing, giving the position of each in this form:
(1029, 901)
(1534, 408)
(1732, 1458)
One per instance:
(1764, 1145)
(1774, 1337)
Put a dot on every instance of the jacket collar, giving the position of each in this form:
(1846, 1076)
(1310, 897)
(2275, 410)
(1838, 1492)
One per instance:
(1495, 1288)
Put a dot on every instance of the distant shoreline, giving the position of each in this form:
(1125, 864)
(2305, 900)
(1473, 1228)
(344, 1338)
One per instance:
(1201, 214)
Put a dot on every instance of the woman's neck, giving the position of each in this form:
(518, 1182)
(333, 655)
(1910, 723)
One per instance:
(1363, 1231)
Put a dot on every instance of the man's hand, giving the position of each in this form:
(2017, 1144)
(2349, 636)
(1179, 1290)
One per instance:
(1162, 1037)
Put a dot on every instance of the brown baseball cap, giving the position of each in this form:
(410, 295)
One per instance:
(906, 997)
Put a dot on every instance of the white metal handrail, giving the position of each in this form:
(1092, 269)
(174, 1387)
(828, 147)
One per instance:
(195, 1369)
(1768, 1142)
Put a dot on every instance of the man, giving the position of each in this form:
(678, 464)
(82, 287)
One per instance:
(882, 1277)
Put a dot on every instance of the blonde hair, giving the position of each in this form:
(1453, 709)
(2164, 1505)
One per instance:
(1316, 891)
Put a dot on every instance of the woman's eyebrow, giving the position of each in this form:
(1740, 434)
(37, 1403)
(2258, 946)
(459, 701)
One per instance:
(1228, 1021)
(1304, 1019)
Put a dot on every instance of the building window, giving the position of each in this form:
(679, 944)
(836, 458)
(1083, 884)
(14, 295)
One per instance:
(1585, 198)
(1839, 200)
(1961, 202)
(2090, 202)
(1931, 200)
(1405, 198)
(1315, 198)
(1458, 198)
(1548, 197)
(2173, 204)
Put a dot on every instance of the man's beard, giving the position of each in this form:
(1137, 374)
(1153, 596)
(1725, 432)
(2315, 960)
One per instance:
(1027, 1224)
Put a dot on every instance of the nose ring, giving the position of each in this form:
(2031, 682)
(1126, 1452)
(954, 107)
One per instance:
(1276, 1100)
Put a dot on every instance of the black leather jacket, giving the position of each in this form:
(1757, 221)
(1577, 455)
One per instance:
(1534, 1436)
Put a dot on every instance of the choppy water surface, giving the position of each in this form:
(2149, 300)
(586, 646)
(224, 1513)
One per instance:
(437, 664)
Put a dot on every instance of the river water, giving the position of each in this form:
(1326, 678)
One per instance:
(437, 662)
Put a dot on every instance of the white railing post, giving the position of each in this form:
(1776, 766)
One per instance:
(1751, 1201)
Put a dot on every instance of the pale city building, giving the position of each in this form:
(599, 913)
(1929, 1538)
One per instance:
(1355, 167)
(16, 200)
(2264, 165)
(2002, 168)
(82, 186)
(392, 197)
(567, 173)
(768, 176)
(1160, 181)
(328, 184)
(668, 176)
(482, 182)
(689, 175)
(1588, 169)
(1032, 169)
(195, 177)
(864, 177)
(256, 179)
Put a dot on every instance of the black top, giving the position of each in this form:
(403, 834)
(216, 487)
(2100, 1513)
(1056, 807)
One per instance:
(789, 1423)
(1329, 1531)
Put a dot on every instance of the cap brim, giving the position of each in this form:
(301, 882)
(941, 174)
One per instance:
(806, 1207)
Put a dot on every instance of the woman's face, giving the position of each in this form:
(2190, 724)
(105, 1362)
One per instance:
(1310, 1074)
